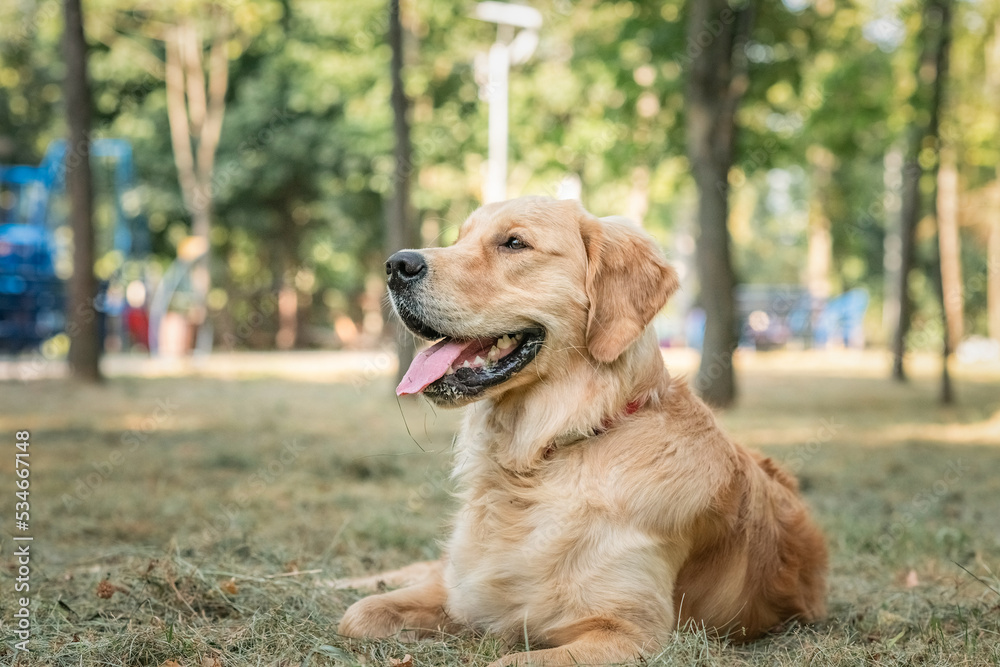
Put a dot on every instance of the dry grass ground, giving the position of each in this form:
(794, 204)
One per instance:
(213, 505)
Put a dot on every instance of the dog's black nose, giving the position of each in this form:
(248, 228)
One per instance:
(405, 267)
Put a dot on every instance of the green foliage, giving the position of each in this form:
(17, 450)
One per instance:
(304, 166)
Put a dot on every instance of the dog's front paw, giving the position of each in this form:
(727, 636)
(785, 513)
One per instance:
(532, 659)
(371, 617)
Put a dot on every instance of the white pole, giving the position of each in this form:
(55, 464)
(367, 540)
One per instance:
(496, 179)
(508, 17)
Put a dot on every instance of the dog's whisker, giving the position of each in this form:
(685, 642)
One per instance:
(407, 425)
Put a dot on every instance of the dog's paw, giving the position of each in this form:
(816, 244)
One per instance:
(520, 660)
(370, 617)
(374, 583)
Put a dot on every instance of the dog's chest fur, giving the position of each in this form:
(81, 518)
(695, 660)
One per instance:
(537, 550)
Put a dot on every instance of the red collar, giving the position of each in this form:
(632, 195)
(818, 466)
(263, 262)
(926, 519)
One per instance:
(630, 409)
(608, 422)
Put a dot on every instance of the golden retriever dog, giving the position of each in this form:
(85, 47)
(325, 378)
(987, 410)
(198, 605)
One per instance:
(601, 505)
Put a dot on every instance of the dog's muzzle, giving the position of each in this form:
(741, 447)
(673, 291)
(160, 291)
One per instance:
(405, 268)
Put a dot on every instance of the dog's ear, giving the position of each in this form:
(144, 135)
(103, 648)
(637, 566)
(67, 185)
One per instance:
(628, 282)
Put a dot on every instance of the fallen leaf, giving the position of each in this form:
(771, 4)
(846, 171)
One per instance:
(911, 579)
(170, 663)
(229, 587)
(212, 661)
(105, 589)
(407, 661)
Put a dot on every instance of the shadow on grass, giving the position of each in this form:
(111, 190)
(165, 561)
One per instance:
(211, 510)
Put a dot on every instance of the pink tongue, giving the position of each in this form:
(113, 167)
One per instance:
(431, 365)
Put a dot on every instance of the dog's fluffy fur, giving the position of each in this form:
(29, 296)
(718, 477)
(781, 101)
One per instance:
(592, 532)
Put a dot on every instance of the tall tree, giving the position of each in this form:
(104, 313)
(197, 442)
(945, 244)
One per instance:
(819, 244)
(945, 263)
(85, 342)
(993, 268)
(399, 228)
(196, 105)
(949, 244)
(926, 102)
(716, 82)
(993, 244)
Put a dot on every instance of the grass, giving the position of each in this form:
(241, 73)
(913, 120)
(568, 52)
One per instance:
(191, 519)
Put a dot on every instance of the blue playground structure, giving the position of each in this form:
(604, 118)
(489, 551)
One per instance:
(773, 317)
(32, 209)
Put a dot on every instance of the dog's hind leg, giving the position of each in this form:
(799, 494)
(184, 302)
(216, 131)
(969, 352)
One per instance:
(418, 610)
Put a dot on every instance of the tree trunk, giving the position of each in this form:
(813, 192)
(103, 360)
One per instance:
(288, 317)
(941, 15)
(949, 246)
(195, 110)
(931, 72)
(399, 227)
(909, 214)
(83, 326)
(820, 243)
(993, 244)
(716, 82)
(637, 204)
(892, 179)
(993, 269)
(286, 267)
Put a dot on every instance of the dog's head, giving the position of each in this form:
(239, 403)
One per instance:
(529, 284)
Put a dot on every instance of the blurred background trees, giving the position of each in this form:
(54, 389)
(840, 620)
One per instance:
(304, 167)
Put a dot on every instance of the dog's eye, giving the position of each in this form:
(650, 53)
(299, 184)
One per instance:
(514, 243)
